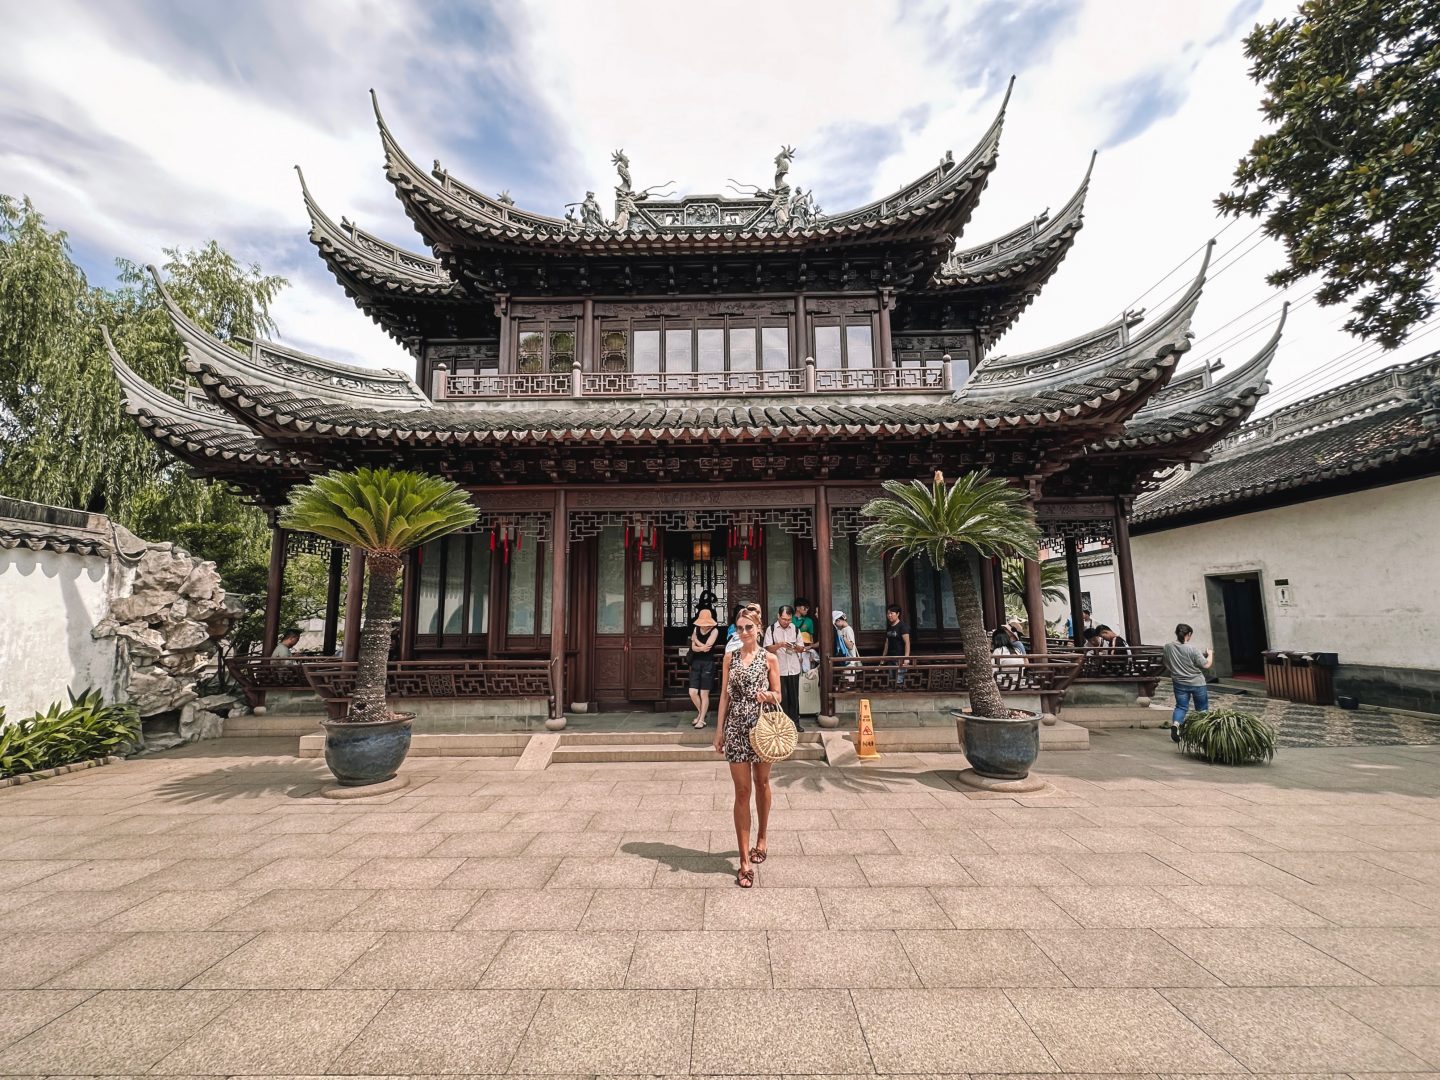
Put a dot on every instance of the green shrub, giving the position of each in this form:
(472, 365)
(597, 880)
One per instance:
(87, 728)
(1228, 737)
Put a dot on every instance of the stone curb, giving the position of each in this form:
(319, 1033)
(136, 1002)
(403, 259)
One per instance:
(59, 770)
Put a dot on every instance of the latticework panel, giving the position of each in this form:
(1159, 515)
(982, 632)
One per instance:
(797, 521)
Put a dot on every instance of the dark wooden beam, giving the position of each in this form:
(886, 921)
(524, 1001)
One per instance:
(274, 590)
(559, 548)
(1035, 608)
(354, 603)
(1125, 570)
(332, 599)
(1072, 581)
(824, 628)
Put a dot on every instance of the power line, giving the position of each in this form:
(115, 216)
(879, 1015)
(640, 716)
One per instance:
(1211, 275)
(1260, 324)
(1333, 374)
(1176, 268)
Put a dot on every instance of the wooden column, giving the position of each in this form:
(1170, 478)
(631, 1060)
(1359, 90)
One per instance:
(332, 599)
(589, 336)
(989, 602)
(800, 344)
(824, 628)
(1035, 608)
(1072, 582)
(354, 603)
(559, 547)
(886, 351)
(1125, 570)
(409, 579)
(274, 590)
(997, 582)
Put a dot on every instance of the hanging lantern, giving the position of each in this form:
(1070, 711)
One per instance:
(700, 548)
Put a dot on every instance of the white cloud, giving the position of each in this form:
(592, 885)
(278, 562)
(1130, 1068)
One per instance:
(139, 125)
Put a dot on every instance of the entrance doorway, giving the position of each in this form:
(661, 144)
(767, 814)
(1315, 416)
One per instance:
(1244, 622)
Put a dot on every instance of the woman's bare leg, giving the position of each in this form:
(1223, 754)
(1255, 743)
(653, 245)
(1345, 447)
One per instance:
(763, 797)
(695, 699)
(740, 777)
(704, 705)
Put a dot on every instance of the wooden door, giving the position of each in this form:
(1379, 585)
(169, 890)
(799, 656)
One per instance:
(629, 642)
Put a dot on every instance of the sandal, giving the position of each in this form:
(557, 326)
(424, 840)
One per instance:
(757, 855)
(697, 724)
(745, 879)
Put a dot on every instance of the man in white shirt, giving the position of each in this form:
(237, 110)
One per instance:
(784, 640)
(286, 648)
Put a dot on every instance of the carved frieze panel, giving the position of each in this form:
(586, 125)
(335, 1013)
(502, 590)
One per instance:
(797, 521)
(530, 309)
(850, 305)
(696, 497)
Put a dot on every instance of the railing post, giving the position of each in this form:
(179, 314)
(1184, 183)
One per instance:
(809, 374)
(577, 383)
(438, 379)
(946, 379)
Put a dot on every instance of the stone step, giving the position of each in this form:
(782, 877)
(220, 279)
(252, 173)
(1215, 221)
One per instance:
(659, 752)
(1100, 717)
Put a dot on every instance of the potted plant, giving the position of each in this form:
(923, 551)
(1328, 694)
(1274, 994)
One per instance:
(384, 513)
(1228, 737)
(955, 526)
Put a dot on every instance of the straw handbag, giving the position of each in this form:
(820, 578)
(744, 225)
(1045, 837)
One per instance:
(773, 737)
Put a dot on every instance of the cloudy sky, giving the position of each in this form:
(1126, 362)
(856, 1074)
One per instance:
(142, 124)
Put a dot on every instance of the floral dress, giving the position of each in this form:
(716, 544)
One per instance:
(746, 680)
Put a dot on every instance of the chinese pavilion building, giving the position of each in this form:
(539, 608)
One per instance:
(696, 396)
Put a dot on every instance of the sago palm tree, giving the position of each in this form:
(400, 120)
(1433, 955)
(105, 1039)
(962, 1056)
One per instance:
(1054, 586)
(955, 526)
(385, 513)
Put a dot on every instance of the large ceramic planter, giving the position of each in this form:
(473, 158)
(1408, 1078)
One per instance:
(361, 754)
(999, 749)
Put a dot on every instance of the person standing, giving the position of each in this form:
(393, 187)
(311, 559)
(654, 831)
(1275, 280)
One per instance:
(783, 641)
(750, 678)
(897, 641)
(803, 622)
(1187, 666)
(286, 648)
(704, 649)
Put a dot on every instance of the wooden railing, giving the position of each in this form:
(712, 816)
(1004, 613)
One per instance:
(1144, 664)
(334, 680)
(575, 383)
(1047, 676)
(256, 675)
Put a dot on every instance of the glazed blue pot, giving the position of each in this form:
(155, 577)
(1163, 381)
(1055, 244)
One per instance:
(1000, 749)
(360, 754)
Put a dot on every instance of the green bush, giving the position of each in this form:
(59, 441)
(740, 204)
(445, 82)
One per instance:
(1228, 737)
(61, 735)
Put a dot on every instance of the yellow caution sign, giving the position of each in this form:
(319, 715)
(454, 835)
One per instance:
(865, 743)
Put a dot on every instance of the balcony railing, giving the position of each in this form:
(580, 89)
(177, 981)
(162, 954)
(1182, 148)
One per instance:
(806, 379)
(334, 681)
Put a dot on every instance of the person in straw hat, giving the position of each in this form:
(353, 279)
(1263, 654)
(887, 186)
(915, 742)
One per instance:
(704, 652)
(750, 678)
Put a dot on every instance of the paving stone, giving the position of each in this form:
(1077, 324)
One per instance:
(501, 873)
(1390, 956)
(300, 872)
(1000, 907)
(912, 870)
(1239, 905)
(647, 909)
(979, 958)
(817, 959)
(1120, 906)
(777, 1031)
(114, 1033)
(286, 960)
(66, 910)
(294, 909)
(284, 1032)
(412, 909)
(441, 1031)
(1410, 1016)
(151, 961)
(97, 874)
(527, 909)
(645, 1032)
(1129, 868)
(1291, 1030)
(24, 1011)
(946, 1031)
(609, 872)
(33, 957)
(1018, 870)
(1260, 957)
(562, 959)
(762, 909)
(911, 908)
(688, 960)
(1092, 1030)
(434, 959)
(803, 871)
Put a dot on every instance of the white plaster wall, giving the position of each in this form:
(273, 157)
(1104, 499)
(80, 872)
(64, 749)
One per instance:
(1104, 589)
(1364, 576)
(49, 602)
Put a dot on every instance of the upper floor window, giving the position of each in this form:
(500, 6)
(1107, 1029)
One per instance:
(544, 345)
(677, 345)
(844, 341)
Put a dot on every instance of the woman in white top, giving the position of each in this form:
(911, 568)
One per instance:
(784, 642)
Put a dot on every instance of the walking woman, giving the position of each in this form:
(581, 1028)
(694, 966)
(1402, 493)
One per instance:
(750, 678)
(704, 650)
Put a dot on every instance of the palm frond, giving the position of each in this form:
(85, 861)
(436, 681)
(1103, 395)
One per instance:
(378, 510)
(977, 515)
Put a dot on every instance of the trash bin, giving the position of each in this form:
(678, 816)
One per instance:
(1307, 678)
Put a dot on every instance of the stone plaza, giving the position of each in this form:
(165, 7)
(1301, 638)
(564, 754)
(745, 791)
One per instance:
(207, 912)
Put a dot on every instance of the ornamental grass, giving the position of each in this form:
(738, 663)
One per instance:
(1228, 737)
(63, 735)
